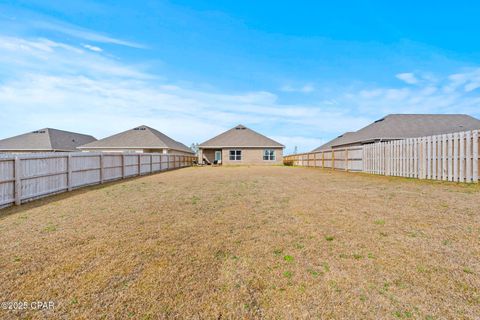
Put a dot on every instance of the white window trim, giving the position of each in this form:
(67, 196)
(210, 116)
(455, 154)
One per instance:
(235, 155)
(265, 155)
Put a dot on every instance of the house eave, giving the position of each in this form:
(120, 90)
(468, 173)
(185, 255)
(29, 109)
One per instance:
(221, 147)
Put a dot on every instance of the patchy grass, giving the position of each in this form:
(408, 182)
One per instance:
(247, 242)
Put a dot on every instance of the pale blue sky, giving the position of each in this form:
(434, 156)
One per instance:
(300, 72)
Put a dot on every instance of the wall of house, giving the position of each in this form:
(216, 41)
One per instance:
(181, 153)
(209, 154)
(29, 151)
(127, 150)
(252, 156)
(357, 144)
(163, 151)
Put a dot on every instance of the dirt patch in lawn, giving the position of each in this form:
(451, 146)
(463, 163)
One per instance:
(247, 242)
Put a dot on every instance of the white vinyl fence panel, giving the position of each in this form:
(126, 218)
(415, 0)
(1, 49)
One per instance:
(25, 177)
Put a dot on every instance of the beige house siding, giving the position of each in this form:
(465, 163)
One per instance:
(209, 154)
(249, 156)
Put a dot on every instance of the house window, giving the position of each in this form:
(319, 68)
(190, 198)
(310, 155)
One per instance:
(269, 155)
(235, 155)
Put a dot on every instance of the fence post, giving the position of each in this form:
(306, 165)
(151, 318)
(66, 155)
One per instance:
(346, 159)
(462, 157)
(151, 164)
(333, 159)
(139, 164)
(468, 157)
(455, 156)
(323, 159)
(123, 166)
(475, 156)
(101, 168)
(424, 158)
(429, 157)
(69, 172)
(18, 182)
(444, 158)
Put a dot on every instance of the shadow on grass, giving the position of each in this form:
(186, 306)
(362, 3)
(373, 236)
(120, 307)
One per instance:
(54, 197)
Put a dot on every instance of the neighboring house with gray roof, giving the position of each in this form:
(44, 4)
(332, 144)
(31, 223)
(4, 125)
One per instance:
(331, 143)
(402, 126)
(241, 145)
(142, 139)
(45, 140)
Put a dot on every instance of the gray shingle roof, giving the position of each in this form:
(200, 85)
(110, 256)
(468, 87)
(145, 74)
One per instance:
(401, 126)
(47, 139)
(142, 137)
(240, 136)
(332, 142)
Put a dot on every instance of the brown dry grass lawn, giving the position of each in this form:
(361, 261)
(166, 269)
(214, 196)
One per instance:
(247, 242)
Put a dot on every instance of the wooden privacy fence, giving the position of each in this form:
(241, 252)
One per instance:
(348, 159)
(448, 157)
(32, 176)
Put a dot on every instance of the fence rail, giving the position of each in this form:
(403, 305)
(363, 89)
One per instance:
(32, 176)
(448, 157)
(348, 159)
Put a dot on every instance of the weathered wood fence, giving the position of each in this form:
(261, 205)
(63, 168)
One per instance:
(31, 176)
(448, 157)
(348, 159)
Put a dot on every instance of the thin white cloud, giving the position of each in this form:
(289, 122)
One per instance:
(408, 78)
(51, 84)
(307, 88)
(93, 48)
(82, 33)
(44, 56)
(57, 85)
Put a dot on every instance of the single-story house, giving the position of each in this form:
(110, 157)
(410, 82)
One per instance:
(45, 140)
(240, 145)
(142, 139)
(402, 126)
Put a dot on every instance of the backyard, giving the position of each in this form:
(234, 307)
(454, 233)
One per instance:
(247, 242)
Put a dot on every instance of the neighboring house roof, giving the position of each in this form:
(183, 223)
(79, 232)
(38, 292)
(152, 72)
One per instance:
(240, 136)
(142, 137)
(47, 139)
(401, 126)
(331, 143)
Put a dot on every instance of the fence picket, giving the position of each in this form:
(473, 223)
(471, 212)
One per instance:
(434, 157)
(41, 175)
(475, 156)
(448, 157)
(468, 157)
(455, 157)
(462, 157)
